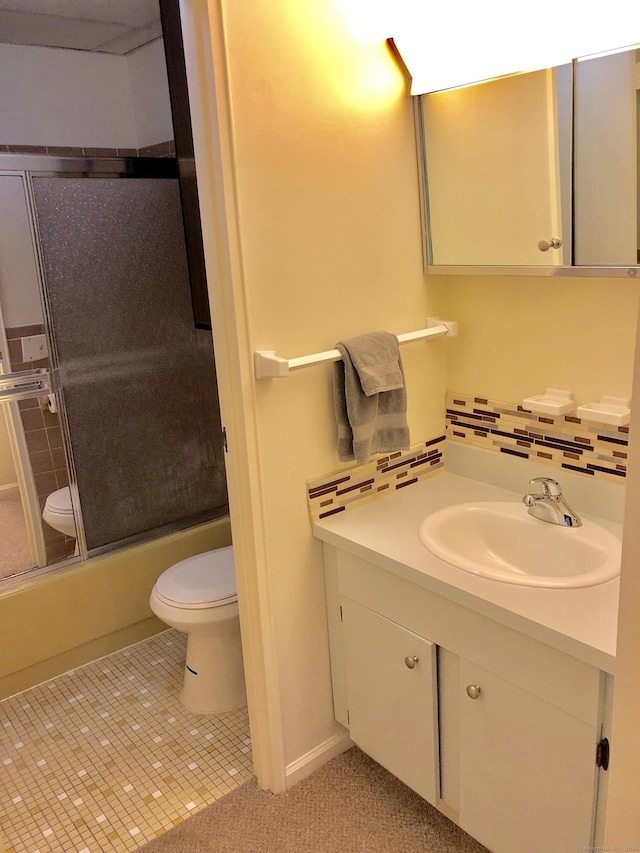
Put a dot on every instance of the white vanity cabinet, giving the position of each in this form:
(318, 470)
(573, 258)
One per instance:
(494, 727)
(392, 688)
(527, 768)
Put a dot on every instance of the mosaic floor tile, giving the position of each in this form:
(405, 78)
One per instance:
(104, 758)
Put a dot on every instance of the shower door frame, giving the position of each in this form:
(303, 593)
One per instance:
(15, 429)
(28, 166)
(22, 465)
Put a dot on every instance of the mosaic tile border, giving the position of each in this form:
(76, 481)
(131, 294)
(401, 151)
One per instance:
(564, 441)
(385, 474)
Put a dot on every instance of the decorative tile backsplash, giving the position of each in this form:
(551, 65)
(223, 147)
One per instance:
(564, 441)
(385, 473)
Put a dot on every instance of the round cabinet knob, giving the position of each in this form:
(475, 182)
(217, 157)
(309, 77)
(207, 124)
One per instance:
(473, 691)
(410, 662)
(553, 243)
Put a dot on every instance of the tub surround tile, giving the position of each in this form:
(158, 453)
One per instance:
(44, 441)
(15, 332)
(26, 149)
(160, 149)
(32, 419)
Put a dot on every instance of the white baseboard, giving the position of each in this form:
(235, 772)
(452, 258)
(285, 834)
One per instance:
(315, 758)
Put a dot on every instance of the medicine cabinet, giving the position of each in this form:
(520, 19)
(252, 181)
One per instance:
(535, 173)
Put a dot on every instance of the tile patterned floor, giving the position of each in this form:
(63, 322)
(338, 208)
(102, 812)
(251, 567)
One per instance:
(104, 758)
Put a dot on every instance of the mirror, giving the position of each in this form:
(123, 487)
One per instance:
(536, 171)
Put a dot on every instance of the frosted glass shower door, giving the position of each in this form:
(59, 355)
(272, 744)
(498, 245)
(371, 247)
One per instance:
(138, 383)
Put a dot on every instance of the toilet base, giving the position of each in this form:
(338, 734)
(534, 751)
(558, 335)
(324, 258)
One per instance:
(214, 672)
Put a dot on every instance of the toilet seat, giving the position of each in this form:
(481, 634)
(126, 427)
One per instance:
(204, 581)
(59, 502)
(58, 512)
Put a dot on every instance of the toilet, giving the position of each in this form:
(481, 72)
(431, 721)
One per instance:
(198, 597)
(58, 512)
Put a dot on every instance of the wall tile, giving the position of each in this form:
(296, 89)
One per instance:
(160, 149)
(25, 331)
(15, 352)
(63, 150)
(32, 419)
(44, 443)
(27, 149)
(45, 483)
(384, 474)
(100, 152)
(37, 440)
(41, 461)
(565, 441)
(54, 437)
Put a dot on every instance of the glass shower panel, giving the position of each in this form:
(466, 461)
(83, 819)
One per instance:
(138, 380)
(30, 435)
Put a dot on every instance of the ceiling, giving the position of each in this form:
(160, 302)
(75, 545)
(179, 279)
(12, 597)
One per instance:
(102, 26)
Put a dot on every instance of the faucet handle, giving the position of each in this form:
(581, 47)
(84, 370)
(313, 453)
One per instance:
(550, 487)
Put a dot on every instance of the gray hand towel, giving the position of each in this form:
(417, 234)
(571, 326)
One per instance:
(370, 398)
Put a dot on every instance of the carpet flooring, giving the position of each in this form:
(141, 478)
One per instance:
(351, 805)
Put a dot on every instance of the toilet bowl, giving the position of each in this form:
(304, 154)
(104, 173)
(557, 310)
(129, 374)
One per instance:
(58, 512)
(198, 597)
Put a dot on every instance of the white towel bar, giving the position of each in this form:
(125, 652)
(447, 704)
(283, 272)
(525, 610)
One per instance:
(268, 365)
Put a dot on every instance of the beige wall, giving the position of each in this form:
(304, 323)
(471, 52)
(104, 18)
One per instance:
(520, 335)
(328, 206)
(75, 615)
(325, 187)
(317, 165)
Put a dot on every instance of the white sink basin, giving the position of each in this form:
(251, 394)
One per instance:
(501, 541)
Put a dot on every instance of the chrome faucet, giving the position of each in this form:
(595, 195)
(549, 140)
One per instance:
(551, 505)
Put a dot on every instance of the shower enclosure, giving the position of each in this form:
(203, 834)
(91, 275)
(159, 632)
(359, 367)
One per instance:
(110, 390)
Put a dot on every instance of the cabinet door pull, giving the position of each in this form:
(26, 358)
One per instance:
(473, 691)
(553, 243)
(410, 662)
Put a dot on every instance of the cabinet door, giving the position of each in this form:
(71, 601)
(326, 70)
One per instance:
(527, 769)
(391, 689)
(494, 168)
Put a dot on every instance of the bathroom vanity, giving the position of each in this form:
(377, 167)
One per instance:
(489, 699)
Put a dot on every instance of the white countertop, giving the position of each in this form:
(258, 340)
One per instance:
(580, 622)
